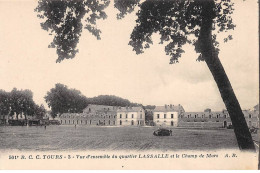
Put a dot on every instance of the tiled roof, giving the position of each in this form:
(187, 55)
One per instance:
(129, 109)
(99, 108)
(168, 108)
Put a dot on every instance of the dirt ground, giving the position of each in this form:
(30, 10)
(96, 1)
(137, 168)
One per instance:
(70, 138)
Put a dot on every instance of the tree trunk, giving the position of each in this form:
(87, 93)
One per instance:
(210, 55)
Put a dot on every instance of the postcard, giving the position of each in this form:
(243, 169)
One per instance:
(129, 85)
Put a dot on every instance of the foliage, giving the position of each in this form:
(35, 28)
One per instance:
(63, 19)
(178, 22)
(111, 101)
(149, 107)
(39, 111)
(19, 102)
(61, 99)
(4, 102)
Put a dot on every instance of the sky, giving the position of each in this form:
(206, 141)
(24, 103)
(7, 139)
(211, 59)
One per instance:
(109, 66)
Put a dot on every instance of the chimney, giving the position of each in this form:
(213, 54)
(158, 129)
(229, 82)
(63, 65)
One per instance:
(207, 110)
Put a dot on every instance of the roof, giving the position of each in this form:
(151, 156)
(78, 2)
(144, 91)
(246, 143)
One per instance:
(99, 108)
(129, 109)
(167, 108)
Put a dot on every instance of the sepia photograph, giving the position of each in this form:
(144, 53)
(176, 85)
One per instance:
(129, 84)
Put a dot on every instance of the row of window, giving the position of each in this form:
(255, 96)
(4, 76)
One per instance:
(132, 116)
(164, 116)
(210, 116)
(110, 116)
(86, 122)
(203, 116)
(132, 122)
(172, 123)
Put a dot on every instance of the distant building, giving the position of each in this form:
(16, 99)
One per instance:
(130, 116)
(208, 119)
(93, 115)
(167, 115)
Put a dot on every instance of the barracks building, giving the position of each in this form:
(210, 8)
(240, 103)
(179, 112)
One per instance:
(164, 116)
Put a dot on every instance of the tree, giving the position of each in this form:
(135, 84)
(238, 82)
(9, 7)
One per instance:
(111, 101)
(61, 99)
(21, 102)
(183, 22)
(179, 22)
(4, 102)
(39, 111)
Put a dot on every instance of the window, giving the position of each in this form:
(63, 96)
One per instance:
(217, 116)
(81, 122)
(61, 121)
(86, 122)
(120, 115)
(209, 116)
(164, 116)
(140, 116)
(77, 121)
(172, 124)
(195, 116)
(73, 121)
(202, 116)
(172, 116)
(69, 121)
(188, 116)
(158, 115)
(65, 121)
(89, 121)
(114, 122)
(225, 116)
(109, 122)
(250, 116)
(120, 122)
(126, 116)
(132, 115)
(109, 116)
(132, 122)
(89, 109)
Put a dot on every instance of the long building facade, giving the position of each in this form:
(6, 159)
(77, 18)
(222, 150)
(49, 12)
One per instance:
(163, 116)
(175, 116)
(103, 115)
